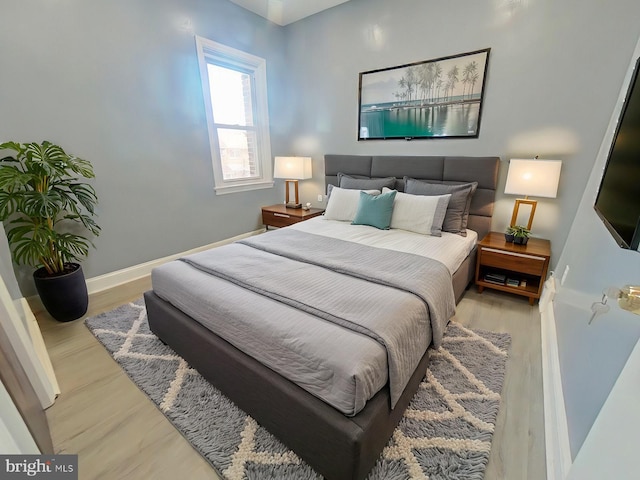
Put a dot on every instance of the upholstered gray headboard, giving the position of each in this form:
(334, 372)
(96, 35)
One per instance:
(452, 170)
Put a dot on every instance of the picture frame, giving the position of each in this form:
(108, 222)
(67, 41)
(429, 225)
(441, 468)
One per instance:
(438, 98)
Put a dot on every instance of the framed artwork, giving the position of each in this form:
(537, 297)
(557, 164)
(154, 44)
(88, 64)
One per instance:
(440, 98)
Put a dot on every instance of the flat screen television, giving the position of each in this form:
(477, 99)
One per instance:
(618, 200)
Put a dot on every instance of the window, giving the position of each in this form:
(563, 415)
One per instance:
(235, 91)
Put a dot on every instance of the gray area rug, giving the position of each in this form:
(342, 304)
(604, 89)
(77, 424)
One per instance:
(444, 434)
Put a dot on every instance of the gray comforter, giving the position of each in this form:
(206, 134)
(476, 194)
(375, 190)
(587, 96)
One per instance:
(355, 286)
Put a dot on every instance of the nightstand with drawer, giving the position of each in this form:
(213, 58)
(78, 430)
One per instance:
(281, 216)
(513, 268)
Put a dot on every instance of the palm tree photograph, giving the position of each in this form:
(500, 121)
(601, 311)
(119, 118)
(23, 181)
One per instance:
(440, 98)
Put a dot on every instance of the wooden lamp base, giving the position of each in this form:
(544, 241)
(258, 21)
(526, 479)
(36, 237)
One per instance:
(516, 207)
(288, 203)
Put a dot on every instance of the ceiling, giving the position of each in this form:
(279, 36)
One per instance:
(284, 12)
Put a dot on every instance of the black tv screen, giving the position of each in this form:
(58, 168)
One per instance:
(618, 201)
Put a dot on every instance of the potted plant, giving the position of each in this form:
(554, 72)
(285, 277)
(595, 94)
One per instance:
(45, 208)
(520, 234)
(509, 234)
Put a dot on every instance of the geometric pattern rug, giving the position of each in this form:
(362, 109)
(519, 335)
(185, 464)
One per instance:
(445, 432)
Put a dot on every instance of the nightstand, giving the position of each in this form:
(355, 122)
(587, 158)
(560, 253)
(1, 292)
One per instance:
(513, 268)
(281, 216)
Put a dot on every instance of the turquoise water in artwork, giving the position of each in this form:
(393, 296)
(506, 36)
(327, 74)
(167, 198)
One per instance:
(454, 119)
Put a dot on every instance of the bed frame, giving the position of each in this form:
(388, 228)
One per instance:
(336, 446)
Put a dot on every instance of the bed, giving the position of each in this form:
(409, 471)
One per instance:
(335, 403)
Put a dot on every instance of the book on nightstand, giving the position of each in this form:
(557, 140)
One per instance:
(497, 278)
(513, 282)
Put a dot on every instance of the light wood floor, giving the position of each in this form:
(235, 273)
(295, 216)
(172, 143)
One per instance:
(118, 433)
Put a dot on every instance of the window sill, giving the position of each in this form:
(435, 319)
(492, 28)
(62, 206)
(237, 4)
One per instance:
(242, 187)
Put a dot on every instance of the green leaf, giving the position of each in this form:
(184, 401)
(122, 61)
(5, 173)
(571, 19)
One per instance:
(85, 194)
(68, 201)
(8, 204)
(42, 204)
(71, 247)
(80, 166)
(38, 159)
(29, 243)
(87, 221)
(15, 146)
(11, 178)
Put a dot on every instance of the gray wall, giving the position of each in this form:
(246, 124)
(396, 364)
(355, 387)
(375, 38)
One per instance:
(600, 350)
(555, 70)
(117, 83)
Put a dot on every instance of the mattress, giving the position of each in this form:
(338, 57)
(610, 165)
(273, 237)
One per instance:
(343, 368)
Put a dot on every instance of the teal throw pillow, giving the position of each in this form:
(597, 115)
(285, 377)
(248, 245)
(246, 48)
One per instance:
(375, 210)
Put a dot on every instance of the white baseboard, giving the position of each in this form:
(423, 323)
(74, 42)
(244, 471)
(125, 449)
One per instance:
(558, 448)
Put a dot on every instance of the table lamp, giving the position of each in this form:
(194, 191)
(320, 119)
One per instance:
(538, 178)
(292, 169)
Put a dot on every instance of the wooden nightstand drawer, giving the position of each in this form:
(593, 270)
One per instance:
(281, 216)
(276, 219)
(519, 262)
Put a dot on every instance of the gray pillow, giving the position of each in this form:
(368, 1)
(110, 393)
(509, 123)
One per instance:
(457, 216)
(365, 183)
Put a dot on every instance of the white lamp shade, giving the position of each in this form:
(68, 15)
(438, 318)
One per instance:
(538, 178)
(292, 168)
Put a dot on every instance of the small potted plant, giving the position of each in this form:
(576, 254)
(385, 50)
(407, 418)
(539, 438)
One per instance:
(509, 234)
(520, 234)
(44, 207)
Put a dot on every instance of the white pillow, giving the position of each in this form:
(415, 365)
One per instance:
(419, 213)
(343, 203)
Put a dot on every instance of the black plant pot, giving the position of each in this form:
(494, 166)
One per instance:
(508, 237)
(521, 240)
(64, 296)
